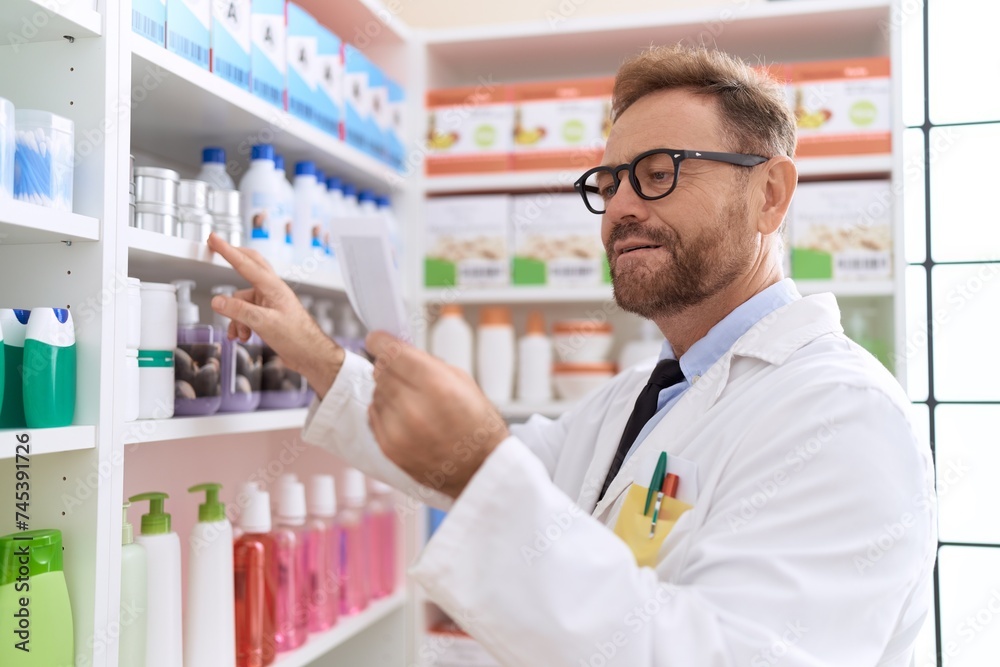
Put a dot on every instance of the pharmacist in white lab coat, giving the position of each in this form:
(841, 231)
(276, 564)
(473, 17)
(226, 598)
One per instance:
(809, 538)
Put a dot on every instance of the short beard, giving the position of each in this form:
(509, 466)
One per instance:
(699, 268)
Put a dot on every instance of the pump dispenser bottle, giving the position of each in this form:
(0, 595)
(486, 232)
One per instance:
(14, 323)
(323, 554)
(164, 643)
(133, 621)
(256, 580)
(292, 541)
(354, 585)
(197, 359)
(241, 367)
(209, 631)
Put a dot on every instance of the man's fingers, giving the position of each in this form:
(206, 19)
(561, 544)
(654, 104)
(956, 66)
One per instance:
(250, 266)
(241, 312)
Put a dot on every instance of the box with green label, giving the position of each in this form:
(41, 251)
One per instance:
(842, 230)
(469, 129)
(557, 242)
(466, 241)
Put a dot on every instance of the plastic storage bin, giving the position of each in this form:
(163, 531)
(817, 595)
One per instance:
(43, 160)
(6, 149)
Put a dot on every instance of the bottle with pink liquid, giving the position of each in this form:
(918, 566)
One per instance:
(292, 542)
(255, 571)
(381, 533)
(353, 545)
(323, 554)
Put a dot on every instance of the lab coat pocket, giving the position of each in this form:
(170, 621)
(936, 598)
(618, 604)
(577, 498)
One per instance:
(633, 525)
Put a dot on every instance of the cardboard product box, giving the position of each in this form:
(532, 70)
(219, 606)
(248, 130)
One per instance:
(189, 24)
(469, 130)
(557, 242)
(230, 47)
(842, 106)
(396, 138)
(302, 49)
(330, 79)
(357, 102)
(378, 121)
(467, 241)
(149, 19)
(561, 124)
(842, 230)
(447, 646)
(268, 52)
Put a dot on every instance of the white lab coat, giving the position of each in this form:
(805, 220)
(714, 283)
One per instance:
(811, 540)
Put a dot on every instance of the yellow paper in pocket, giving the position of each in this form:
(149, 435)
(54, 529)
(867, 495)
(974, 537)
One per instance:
(633, 526)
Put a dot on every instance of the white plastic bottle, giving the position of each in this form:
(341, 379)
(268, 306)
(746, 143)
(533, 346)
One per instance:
(213, 169)
(451, 338)
(259, 195)
(366, 204)
(336, 210)
(495, 354)
(644, 348)
(395, 232)
(284, 229)
(164, 643)
(534, 362)
(351, 201)
(307, 230)
(209, 623)
(133, 607)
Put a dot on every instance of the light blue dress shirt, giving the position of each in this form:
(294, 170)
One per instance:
(709, 349)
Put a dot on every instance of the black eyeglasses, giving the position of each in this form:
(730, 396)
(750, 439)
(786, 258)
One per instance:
(653, 175)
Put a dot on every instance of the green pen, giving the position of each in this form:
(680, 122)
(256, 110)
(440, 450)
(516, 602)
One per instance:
(656, 482)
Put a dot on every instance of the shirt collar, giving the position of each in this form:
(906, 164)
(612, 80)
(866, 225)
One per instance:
(707, 350)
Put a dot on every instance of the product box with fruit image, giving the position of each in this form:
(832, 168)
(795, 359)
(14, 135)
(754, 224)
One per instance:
(469, 130)
(842, 107)
(557, 242)
(842, 230)
(560, 124)
(467, 241)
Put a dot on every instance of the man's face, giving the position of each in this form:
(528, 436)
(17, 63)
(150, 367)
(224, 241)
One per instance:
(701, 235)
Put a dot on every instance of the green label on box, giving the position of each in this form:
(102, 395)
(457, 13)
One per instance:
(528, 271)
(156, 358)
(811, 264)
(439, 273)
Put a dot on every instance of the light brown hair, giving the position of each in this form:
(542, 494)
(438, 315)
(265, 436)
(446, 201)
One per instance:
(755, 114)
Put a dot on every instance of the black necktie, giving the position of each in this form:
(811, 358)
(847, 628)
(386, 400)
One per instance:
(667, 373)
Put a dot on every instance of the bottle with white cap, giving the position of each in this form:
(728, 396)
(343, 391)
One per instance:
(291, 544)
(255, 579)
(132, 637)
(381, 533)
(323, 554)
(354, 578)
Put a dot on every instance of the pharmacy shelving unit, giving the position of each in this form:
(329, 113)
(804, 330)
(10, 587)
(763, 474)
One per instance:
(562, 46)
(79, 59)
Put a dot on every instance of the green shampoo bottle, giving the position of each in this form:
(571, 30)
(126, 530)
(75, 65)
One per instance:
(36, 620)
(14, 322)
(49, 375)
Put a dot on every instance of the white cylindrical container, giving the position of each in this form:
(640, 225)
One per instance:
(224, 205)
(213, 169)
(195, 222)
(259, 200)
(283, 233)
(495, 353)
(158, 339)
(451, 338)
(7, 143)
(209, 619)
(131, 385)
(307, 223)
(133, 331)
(44, 158)
(534, 362)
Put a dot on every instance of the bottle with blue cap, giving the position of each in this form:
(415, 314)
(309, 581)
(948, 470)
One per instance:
(13, 322)
(213, 169)
(338, 210)
(395, 233)
(366, 203)
(351, 200)
(49, 376)
(307, 231)
(324, 216)
(284, 229)
(259, 195)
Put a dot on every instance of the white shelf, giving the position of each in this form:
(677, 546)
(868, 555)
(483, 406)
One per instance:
(185, 108)
(48, 440)
(549, 48)
(157, 257)
(812, 168)
(22, 223)
(845, 288)
(516, 295)
(346, 628)
(181, 428)
(518, 410)
(26, 21)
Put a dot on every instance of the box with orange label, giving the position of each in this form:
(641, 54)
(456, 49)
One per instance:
(561, 124)
(469, 129)
(842, 107)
